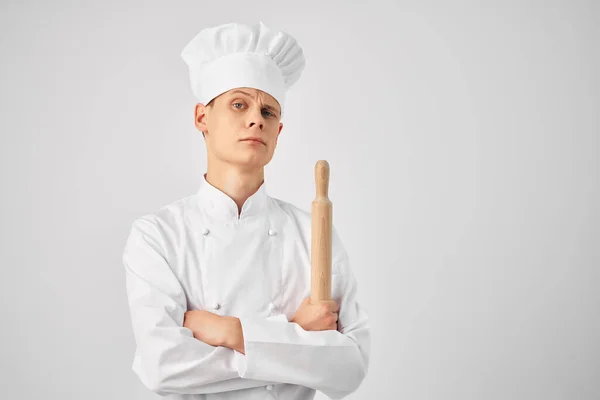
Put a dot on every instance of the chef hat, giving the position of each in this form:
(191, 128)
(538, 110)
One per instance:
(234, 55)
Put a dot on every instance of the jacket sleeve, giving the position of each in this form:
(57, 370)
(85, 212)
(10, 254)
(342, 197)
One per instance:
(333, 362)
(168, 358)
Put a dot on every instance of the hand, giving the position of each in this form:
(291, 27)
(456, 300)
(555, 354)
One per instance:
(317, 317)
(215, 330)
(206, 326)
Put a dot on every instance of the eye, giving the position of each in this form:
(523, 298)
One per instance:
(237, 103)
(269, 112)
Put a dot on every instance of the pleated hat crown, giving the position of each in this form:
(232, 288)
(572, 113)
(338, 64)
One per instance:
(234, 55)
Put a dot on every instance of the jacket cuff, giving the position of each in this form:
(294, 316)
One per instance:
(253, 327)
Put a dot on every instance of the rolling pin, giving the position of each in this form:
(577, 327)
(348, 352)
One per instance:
(322, 218)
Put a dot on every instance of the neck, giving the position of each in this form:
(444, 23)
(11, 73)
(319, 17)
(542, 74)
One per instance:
(237, 183)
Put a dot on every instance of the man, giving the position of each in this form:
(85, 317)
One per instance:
(218, 282)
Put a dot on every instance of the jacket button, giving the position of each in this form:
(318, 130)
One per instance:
(216, 306)
(271, 232)
(269, 387)
(205, 231)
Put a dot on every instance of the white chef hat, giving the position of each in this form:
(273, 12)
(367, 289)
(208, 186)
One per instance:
(233, 55)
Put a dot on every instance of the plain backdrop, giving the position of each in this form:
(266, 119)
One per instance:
(463, 141)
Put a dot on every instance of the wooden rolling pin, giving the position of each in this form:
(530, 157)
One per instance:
(322, 218)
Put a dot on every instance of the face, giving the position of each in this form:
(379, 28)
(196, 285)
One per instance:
(241, 127)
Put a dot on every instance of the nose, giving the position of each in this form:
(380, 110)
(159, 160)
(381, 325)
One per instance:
(260, 126)
(256, 118)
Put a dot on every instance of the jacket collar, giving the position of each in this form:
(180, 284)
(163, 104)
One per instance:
(219, 205)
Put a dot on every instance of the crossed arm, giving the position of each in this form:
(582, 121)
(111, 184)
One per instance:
(226, 331)
(232, 353)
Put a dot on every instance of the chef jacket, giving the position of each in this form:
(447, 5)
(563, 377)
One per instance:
(198, 253)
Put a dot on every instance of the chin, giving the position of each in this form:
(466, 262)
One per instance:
(252, 162)
(254, 156)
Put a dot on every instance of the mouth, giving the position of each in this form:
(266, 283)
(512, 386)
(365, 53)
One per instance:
(253, 140)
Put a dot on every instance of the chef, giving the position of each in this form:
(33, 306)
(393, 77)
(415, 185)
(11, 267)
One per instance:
(218, 282)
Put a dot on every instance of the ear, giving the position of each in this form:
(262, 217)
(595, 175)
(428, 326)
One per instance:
(279, 132)
(200, 116)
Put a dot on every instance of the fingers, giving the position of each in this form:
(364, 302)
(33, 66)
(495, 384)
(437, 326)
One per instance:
(332, 306)
(332, 318)
(321, 315)
(335, 307)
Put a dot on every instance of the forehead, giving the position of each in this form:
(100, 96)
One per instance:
(253, 93)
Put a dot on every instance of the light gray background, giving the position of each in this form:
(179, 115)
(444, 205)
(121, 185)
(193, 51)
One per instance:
(463, 142)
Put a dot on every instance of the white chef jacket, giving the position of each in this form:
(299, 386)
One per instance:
(197, 253)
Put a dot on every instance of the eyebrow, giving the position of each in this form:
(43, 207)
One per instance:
(267, 106)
